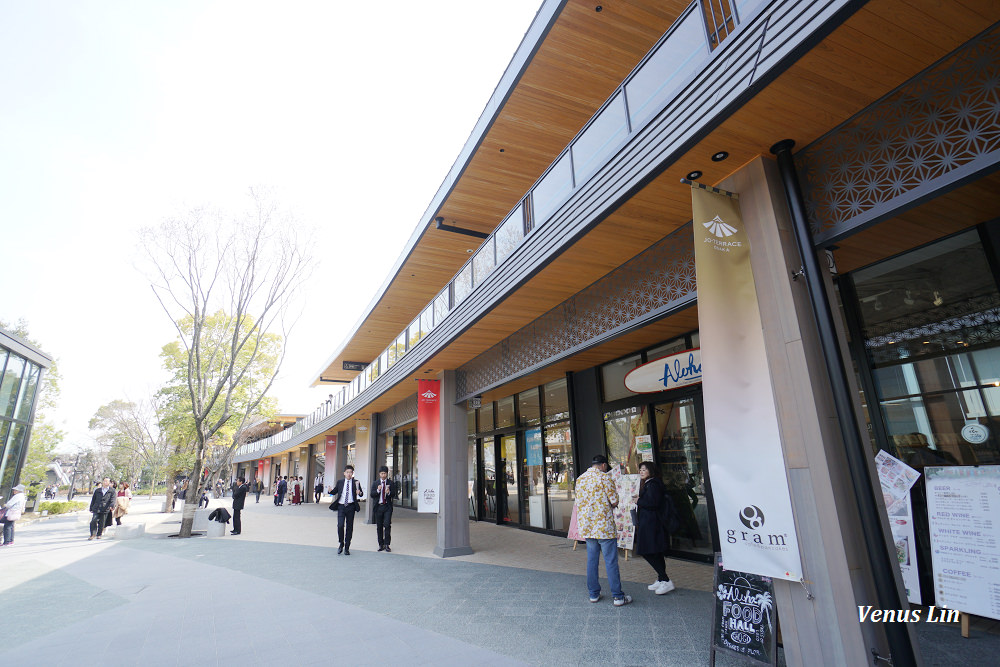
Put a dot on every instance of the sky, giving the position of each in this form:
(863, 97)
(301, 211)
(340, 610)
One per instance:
(116, 114)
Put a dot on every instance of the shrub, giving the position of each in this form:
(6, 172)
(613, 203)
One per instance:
(61, 507)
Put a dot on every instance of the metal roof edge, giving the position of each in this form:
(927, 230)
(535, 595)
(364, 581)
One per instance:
(533, 37)
(24, 348)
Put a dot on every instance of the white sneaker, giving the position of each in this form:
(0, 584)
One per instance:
(664, 587)
(653, 585)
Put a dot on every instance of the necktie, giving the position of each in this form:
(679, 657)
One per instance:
(347, 498)
(383, 491)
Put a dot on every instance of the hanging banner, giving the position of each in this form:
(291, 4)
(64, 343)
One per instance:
(752, 501)
(330, 475)
(266, 476)
(428, 445)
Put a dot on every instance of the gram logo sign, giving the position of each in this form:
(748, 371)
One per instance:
(677, 370)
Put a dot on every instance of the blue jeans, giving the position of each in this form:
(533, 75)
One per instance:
(610, 550)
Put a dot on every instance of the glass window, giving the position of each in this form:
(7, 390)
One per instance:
(473, 487)
(388, 357)
(505, 412)
(556, 401)
(484, 262)
(682, 469)
(486, 417)
(533, 474)
(440, 308)
(551, 191)
(415, 333)
(463, 283)
(560, 478)
(11, 457)
(677, 58)
(11, 384)
(401, 346)
(668, 348)
(613, 377)
(509, 235)
(489, 479)
(604, 133)
(528, 409)
(508, 503)
(23, 409)
(623, 432)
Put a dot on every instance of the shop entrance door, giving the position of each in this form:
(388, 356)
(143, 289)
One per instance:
(508, 498)
(684, 470)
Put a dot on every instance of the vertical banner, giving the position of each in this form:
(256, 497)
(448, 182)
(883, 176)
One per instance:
(266, 475)
(428, 445)
(752, 501)
(330, 475)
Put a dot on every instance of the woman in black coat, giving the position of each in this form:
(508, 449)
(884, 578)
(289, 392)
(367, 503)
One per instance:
(651, 539)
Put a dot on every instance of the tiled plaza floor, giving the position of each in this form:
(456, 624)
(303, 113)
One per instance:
(280, 593)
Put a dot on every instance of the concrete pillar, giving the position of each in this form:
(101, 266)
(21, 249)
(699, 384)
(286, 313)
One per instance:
(819, 618)
(453, 511)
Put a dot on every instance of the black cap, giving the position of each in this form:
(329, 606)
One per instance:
(384, 469)
(599, 459)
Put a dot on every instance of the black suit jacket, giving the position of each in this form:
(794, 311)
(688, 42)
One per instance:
(239, 496)
(282, 486)
(390, 495)
(339, 488)
(102, 503)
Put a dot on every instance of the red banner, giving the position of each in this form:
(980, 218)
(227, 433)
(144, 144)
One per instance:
(428, 445)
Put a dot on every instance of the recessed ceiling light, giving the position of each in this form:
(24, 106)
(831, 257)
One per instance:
(598, 8)
(720, 156)
(694, 175)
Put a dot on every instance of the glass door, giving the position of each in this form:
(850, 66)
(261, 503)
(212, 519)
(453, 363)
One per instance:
(682, 462)
(508, 506)
(533, 474)
(489, 477)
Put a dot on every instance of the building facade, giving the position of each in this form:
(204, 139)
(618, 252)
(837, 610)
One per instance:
(22, 368)
(863, 140)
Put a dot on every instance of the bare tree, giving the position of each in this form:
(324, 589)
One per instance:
(131, 432)
(246, 270)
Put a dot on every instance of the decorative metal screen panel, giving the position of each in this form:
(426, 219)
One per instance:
(936, 129)
(402, 413)
(651, 284)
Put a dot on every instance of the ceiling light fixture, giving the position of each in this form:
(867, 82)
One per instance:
(720, 156)
(938, 299)
(694, 175)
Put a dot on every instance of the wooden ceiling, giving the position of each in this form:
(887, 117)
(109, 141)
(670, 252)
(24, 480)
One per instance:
(885, 43)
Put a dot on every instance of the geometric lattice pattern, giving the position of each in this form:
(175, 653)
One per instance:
(942, 121)
(660, 278)
(954, 327)
(402, 413)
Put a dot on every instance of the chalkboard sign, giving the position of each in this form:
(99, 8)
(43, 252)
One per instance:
(743, 615)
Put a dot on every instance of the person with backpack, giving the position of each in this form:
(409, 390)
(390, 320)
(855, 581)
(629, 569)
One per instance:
(653, 515)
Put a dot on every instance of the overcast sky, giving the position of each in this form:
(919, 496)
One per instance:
(117, 114)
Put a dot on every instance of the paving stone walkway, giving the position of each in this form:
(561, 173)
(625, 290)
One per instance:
(280, 593)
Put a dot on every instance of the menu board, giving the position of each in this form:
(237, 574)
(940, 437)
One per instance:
(963, 510)
(743, 615)
(628, 488)
(896, 479)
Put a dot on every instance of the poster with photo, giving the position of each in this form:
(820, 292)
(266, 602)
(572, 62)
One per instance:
(896, 479)
(628, 488)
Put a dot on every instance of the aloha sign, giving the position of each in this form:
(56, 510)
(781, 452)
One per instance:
(677, 370)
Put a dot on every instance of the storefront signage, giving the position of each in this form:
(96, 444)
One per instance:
(896, 479)
(975, 434)
(963, 503)
(743, 614)
(533, 446)
(628, 489)
(354, 365)
(428, 445)
(745, 458)
(677, 370)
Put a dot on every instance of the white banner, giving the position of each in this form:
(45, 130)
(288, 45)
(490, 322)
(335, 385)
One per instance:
(752, 502)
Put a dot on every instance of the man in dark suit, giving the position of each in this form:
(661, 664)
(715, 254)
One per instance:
(345, 497)
(282, 489)
(239, 498)
(383, 491)
(100, 505)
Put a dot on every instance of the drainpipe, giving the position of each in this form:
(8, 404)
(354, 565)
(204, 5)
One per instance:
(886, 592)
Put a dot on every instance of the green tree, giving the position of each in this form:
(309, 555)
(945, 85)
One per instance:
(45, 436)
(243, 273)
(134, 440)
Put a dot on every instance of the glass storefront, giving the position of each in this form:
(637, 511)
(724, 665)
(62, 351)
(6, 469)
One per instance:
(523, 472)
(19, 380)
(930, 352)
(401, 459)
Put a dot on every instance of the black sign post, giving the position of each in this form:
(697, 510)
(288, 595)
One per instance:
(743, 615)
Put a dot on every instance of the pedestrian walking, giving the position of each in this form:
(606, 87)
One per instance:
(296, 491)
(346, 494)
(318, 490)
(651, 539)
(257, 487)
(239, 498)
(122, 502)
(11, 512)
(205, 497)
(109, 519)
(282, 490)
(100, 505)
(383, 491)
(596, 498)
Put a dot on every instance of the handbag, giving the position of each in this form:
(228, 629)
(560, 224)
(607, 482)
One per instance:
(3, 514)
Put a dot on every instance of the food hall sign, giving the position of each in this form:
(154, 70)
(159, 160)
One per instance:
(677, 370)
